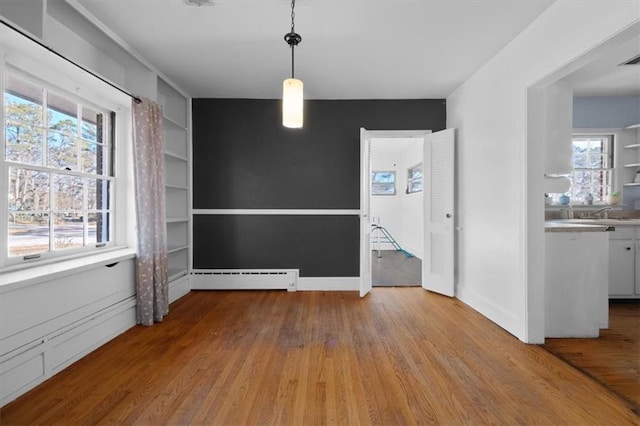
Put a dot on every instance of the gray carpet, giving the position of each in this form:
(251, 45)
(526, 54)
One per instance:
(395, 269)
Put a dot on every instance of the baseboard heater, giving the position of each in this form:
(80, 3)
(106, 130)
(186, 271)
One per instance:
(244, 279)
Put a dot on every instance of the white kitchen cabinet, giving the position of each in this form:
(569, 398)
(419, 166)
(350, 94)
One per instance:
(624, 263)
(622, 270)
(576, 271)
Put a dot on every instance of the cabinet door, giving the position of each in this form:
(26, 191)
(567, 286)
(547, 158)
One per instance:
(637, 292)
(622, 271)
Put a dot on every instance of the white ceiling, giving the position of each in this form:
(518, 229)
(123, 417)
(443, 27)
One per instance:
(604, 76)
(351, 49)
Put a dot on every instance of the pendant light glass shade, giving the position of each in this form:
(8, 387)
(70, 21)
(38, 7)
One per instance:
(292, 103)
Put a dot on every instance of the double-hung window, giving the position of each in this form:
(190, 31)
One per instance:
(58, 171)
(414, 179)
(383, 183)
(592, 167)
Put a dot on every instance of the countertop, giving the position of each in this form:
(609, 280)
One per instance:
(568, 225)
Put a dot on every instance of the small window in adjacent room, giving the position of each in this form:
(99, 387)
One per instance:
(383, 183)
(592, 167)
(58, 174)
(414, 179)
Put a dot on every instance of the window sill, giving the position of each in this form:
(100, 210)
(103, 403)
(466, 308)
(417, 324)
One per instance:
(31, 275)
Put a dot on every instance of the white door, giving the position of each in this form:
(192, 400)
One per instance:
(365, 212)
(439, 172)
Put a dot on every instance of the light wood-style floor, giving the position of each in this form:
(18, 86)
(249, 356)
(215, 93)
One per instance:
(398, 356)
(614, 358)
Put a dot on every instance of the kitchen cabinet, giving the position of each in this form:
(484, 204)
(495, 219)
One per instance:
(576, 271)
(624, 262)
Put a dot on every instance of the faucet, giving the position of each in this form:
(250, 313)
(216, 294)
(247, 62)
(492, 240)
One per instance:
(597, 213)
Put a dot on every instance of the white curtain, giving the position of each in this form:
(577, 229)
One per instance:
(148, 155)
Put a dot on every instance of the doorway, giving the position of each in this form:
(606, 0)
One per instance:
(397, 210)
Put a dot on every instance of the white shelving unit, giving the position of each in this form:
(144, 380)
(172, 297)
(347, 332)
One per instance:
(175, 110)
(634, 157)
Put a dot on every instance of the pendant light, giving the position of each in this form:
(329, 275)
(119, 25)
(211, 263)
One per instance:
(292, 99)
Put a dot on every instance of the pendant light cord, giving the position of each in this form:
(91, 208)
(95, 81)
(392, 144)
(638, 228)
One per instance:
(293, 31)
(292, 38)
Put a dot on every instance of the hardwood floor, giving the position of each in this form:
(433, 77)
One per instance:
(394, 269)
(614, 358)
(398, 356)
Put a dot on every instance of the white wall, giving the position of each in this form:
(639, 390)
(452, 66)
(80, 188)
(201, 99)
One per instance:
(500, 177)
(412, 204)
(401, 214)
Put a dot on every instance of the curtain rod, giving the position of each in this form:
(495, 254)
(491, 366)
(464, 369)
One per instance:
(88, 71)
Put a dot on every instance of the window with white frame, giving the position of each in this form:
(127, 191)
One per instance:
(383, 182)
(58, 169)
(414, 179)
(592, 167)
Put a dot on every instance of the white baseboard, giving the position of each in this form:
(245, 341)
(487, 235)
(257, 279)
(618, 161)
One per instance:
(328, 283)
(179, 288)
(503, 318)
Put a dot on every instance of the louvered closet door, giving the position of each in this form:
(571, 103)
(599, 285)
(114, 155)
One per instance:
(365, 213)
(439, 196)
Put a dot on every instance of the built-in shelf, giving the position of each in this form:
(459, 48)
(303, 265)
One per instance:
(173, 249)
(632, 165)
(175, 123)
(175, 273)
(177, 219)
(178, 187)
(172, 123)
(635, 145)
(176, 156)
(632, 184)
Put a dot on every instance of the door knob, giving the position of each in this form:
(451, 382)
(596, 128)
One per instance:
(448, 215)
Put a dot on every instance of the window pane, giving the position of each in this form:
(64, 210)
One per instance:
(596, 161)
(68, 193)
(93, 158)
(62, 151)
(579, 160)
(28, 233)
(383, 189)
(98, 228)
(97, 194)
(383, 177)
(595, 147)
(23, 121)
(415, 186)
(62, 114)
(91, 125)
(28, 190)
(68, 231)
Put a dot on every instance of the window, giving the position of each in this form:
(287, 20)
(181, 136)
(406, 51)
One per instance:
(57, 165)
(383, 183)
(414, 179)
(592, 167)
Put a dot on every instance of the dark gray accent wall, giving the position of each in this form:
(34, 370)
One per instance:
(243, 158)
(320, 246)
